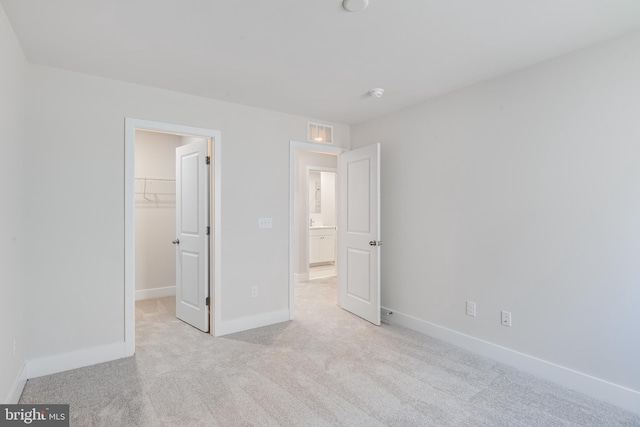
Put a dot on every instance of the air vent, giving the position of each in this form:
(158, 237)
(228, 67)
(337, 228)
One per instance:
(320, 133)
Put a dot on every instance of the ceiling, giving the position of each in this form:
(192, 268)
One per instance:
(311, 57)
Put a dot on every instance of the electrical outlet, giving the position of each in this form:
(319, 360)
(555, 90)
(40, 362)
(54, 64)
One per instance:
(15, 346)
(265, 222)
(471, 308)
(506, 318)
(254, 292)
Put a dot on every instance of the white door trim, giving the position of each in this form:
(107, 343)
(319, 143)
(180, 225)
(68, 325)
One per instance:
(129, 220)
(304, 146)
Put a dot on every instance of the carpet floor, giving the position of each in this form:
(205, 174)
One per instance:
(325, 368)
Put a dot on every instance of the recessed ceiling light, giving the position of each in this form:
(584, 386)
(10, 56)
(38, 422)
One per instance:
(355, 5)
(377, 92)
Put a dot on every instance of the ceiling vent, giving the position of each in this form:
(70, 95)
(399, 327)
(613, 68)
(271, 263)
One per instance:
(317, 132)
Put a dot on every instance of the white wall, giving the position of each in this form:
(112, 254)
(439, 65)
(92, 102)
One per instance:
(328, 198)
(12, 307)
(314, 185)
(523, 194)
(303, 160)
(155, 214)
(327, 181)
(75, 203)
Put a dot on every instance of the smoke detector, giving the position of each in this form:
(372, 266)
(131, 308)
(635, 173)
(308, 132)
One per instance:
(377, 92)
(355, 5)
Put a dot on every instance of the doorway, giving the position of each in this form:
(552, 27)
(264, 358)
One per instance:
(322, 219)
(155, 216)
(162, 183)
(172, 220)
(358, 226)
(304, 158)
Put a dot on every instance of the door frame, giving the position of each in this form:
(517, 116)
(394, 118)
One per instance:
(215, 210)
(293, 147)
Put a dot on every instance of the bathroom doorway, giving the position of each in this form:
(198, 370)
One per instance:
(357, 282)
(321, 192)
(304, 159)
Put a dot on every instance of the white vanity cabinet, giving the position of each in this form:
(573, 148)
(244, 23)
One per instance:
(322, 245)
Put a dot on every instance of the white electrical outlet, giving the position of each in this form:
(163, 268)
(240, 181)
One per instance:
(506, 318)
(254, 292)
(265, 222)
(471, 308)
(15, 346)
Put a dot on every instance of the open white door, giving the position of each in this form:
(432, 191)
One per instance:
(359, 232)
(192, 229)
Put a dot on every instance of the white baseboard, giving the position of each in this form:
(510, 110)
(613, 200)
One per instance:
(75, 359)
(166, 291)
(18, 386)
(615, 394)
(300, 277)
(251, 322)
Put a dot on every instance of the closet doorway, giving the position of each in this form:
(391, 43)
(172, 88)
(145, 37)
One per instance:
(155, 214)
(172, 213)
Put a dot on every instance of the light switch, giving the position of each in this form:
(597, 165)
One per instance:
(265, 223)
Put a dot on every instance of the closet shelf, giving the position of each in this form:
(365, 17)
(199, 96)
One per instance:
(155, 185)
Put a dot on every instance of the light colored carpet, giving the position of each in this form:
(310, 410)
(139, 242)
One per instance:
(327, 367)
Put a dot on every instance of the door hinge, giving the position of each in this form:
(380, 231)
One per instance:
(208, 230)
(207, 301)
(208, 160)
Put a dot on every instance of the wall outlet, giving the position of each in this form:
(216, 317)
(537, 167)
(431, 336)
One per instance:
(471, 308)
(15, 346)
(506, 318)
(265, 222)
(254, 292)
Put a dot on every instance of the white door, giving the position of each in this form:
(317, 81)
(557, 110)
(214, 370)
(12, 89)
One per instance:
(192, 239)
(359, 232)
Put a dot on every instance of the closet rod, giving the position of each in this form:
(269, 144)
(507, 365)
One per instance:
(156, 179)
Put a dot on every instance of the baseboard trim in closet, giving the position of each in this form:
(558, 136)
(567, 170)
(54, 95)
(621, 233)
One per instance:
(166, 291)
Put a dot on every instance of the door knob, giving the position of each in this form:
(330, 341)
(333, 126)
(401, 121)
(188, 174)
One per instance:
(176, 242)
(375, 243)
